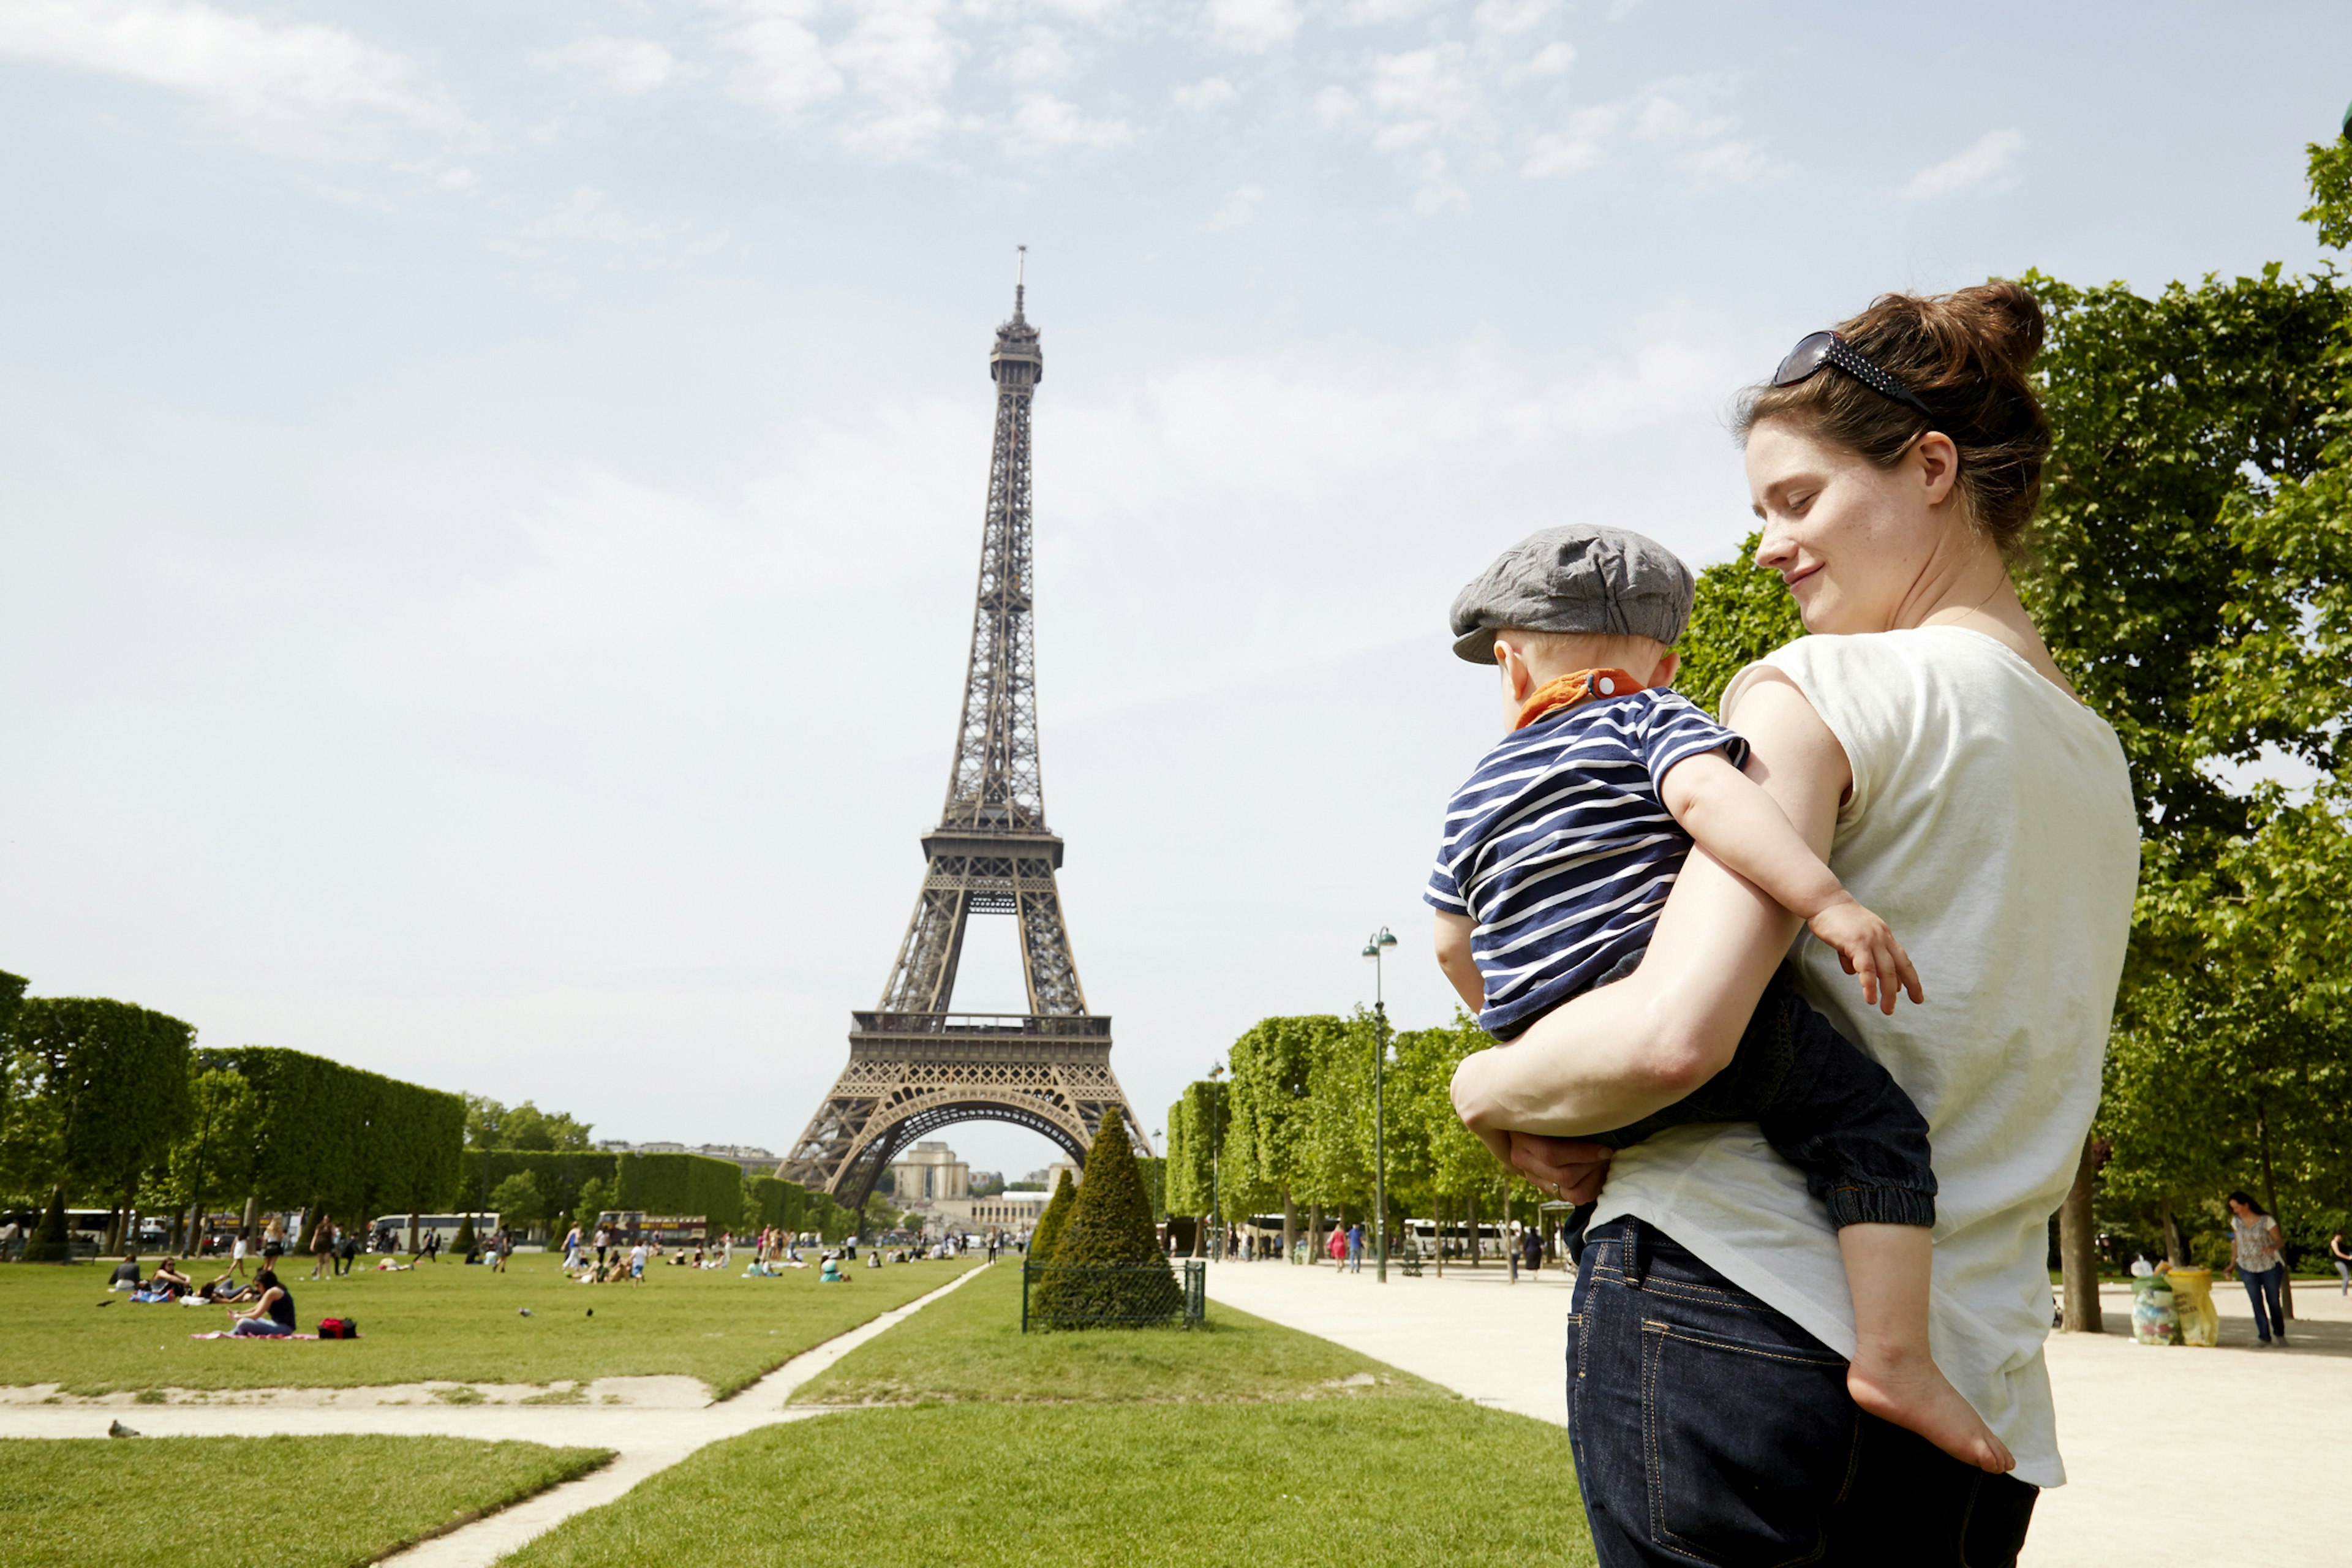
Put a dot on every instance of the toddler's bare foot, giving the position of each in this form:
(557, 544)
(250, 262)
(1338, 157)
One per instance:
(1902, 1385)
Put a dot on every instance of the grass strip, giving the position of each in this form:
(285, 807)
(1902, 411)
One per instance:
(968, 1346)
(1360, 1483)
(292, 1502)
(446, 1322)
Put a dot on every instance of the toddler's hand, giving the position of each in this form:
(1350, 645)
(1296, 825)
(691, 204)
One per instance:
(1867, 946)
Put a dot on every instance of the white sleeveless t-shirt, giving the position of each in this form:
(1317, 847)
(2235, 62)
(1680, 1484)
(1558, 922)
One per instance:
(1991, 825)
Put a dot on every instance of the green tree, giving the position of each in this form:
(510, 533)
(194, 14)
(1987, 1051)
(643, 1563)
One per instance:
(1740, 614)
(105, 1091)
(1049, 1234)
(216, 1155)
(518, 1201)
(1106, 1268)
(2194, 578)
(595, 1197)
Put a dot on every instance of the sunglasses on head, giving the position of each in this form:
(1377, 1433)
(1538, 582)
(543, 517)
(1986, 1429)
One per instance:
(1815, 350)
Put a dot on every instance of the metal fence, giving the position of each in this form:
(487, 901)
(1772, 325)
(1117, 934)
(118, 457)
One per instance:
(1112, 1295)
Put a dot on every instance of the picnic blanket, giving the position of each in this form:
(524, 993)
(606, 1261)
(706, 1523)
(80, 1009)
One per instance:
(225, 1334)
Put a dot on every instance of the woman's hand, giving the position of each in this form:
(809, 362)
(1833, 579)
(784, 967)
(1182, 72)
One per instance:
(1567, 1168)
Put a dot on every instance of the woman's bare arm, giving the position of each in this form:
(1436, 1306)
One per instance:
(1615, 1054)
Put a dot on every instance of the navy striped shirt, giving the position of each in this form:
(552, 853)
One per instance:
(1563, 850)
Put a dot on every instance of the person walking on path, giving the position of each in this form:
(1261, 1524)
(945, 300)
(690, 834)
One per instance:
(2343, 1260)
(572, 1247)
(1338, 1247)
(2254, 1244)
(237, 1256)
(1933, 749)
(1356, 1248)
(322, 1248)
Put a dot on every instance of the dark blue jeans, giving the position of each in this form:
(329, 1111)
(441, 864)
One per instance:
(2263, 1289)
(1709, 1428)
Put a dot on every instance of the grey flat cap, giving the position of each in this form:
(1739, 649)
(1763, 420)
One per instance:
(1607, 580)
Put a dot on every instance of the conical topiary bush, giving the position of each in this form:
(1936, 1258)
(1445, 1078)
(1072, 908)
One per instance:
(1043, 1240)
(1108, 1270)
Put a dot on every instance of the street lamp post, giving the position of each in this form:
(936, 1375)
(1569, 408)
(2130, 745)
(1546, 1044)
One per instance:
(1373, 948)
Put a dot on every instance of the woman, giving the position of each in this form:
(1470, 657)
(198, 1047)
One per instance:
(2343, 1257)
(322, 1248)
(1932, 749)
(272, 1317)
(2254, 1243)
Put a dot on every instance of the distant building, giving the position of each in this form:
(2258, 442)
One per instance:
(926, 1173)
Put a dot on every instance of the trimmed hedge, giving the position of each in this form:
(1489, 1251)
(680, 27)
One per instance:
(682, 1185)
(354, 1144)
(560, 1173)
(1106, 1268)
(108, 1091)
(1053, 1221)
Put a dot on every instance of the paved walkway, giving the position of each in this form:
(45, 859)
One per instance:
(644, 1440)
(2165, 1448)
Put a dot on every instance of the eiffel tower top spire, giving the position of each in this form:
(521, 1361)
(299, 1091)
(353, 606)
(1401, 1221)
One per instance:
(996, 784)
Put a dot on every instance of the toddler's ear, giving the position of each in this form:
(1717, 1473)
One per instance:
(1669, 664)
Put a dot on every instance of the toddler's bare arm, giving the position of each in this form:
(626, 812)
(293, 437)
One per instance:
(1453, 957)
(1729, 815)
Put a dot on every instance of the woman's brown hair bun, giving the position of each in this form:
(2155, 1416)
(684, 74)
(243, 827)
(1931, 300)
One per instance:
(1968, 355)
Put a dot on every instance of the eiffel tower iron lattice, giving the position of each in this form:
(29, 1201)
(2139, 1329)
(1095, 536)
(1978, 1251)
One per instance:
(915, 1066)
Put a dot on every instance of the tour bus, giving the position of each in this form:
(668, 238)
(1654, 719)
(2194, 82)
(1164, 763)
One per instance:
(445, 1225)
(630, 1227)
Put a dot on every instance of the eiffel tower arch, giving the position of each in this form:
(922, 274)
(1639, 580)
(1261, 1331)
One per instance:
(914, 1066)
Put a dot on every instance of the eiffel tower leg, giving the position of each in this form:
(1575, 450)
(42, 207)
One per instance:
(1045, 961)
(924, 977)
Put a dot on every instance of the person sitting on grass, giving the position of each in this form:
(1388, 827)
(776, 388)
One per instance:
(167, 1283)
(272, 1317)
(830, 1273)
(126, 1273)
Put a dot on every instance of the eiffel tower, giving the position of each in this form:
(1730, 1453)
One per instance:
(915, 1066)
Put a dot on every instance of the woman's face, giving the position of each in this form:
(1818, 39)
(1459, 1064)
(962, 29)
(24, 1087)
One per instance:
(2241, 1210)
(1854, 541)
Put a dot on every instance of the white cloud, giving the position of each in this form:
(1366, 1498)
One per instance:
(1381, 13)
(1550, 60)
(1504, 18)
(1040, 56)
(1252, 26)
(898, 59)
(585, 215)
(1239, 208)
(1581, 146)
(1043, 123)
(1986, 159)
(297, 89)
(1414, 104)
(1728, 164)
(1663, 119)
(1209, 93)
(630, 66)
(786, 66)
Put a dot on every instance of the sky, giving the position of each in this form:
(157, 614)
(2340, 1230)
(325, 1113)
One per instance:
(491, 496)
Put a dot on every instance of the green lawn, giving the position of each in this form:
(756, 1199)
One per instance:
(446, 1321)
(288, 1502)
(1360, 1483)
(1244, 1443)
(970, 1346)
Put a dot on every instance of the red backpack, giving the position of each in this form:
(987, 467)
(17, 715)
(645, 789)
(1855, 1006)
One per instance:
(338, 1328)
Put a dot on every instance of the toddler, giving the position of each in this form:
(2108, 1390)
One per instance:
(1558, 854)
